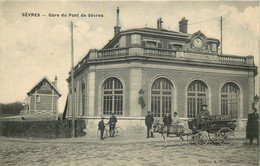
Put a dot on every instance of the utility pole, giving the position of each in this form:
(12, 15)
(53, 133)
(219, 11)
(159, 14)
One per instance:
(72, 82)
(221, 29)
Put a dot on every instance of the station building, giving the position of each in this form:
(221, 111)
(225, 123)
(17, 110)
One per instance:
(158, 70)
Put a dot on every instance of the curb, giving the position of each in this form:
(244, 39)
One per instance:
(78, 141)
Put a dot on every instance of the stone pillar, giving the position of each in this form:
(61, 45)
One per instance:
(91, 92)
(251, 94)
(135, 86)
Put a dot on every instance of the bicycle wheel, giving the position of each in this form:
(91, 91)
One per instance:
(104, 134)
(118, 131)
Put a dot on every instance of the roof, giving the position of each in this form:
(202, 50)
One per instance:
(44, 78)
(155, 32)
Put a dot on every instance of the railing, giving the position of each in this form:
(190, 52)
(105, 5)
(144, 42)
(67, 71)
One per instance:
(172, 54)
(158, 52)
(113, 53)
(233, 60)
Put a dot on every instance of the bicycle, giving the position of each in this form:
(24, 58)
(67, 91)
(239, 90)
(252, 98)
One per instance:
(117, 131)
(114, 132)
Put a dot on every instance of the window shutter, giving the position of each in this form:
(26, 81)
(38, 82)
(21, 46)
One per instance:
(143, 43)
(159, 45)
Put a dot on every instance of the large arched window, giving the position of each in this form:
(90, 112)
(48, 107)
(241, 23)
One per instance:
(230, 95)
(197, 95)
(112, 96)
(83, 92)
(162, 91)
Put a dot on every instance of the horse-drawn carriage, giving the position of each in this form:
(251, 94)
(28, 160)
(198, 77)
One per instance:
(216, 128)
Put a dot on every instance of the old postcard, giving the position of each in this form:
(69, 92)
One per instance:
(129, 83)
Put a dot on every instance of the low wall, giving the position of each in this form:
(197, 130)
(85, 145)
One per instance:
(41, 129)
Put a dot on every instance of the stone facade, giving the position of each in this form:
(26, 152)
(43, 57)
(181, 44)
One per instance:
(137, 58)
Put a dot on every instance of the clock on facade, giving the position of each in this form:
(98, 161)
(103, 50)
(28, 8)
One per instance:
(197, 42)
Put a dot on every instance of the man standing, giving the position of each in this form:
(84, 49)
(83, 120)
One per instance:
(252, 128)
(101, 127)
(167, 120)
(112, 124)
(149, 123)
(202, 116)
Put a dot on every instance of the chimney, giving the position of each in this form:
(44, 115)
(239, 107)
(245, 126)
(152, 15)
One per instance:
(55, 81)
(159, 23)
(183, 25)
(117, 27)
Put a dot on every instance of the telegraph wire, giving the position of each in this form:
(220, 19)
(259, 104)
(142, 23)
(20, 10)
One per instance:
(84, 36)
(204, 21)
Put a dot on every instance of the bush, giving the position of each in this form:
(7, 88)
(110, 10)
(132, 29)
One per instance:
(41, 129)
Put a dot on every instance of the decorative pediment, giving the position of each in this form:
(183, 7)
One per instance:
(197, 42)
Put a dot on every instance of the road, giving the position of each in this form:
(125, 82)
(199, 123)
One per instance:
(132, 153)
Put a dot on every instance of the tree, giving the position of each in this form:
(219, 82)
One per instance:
(11, 108)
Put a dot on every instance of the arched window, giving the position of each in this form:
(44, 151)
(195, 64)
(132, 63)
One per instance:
(230, 95)
(112, 96)
(83, 92)
(197, 95)
(162, 91)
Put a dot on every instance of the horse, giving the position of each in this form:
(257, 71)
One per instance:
(176, 130)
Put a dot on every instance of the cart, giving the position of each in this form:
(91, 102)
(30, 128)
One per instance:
(217, 129)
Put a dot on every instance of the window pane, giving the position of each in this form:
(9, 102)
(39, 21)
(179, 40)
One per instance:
(201, 94)
(197, 95)
(151, 44)
(229, 99)
(167, 93)
(161, 97)
(118, 92)
(113, 97)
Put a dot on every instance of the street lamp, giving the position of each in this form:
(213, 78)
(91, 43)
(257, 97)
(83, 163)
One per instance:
(141, 93)
(256, 99)
(140, 99)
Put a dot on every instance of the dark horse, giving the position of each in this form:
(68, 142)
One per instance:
(176, 130)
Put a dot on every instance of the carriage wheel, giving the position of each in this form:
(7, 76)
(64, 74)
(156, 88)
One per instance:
(213, 137)
(225, 136)
(201, 139)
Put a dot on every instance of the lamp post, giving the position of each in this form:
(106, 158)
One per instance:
(140, 99)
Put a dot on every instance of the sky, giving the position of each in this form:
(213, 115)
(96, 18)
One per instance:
(34, 47)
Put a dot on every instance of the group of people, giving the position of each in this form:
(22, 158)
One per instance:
(112, 124)
(252, 129)
(167, 120)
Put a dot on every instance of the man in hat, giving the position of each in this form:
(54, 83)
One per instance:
(149, 123)
(202, 116)
(101, 127)
(167, 120)
(112, 124)
(252, 128)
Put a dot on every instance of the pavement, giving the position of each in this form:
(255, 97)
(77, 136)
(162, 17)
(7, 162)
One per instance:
(93, 138)
(129, 149)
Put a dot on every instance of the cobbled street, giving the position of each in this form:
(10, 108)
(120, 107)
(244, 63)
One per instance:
(132, 153)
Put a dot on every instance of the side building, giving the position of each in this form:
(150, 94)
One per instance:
(43, 97)
(149, 69)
